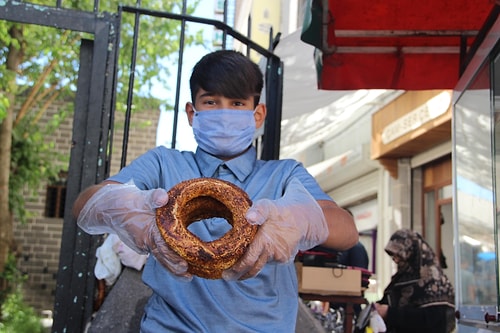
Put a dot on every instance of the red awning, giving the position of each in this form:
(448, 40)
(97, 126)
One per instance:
(392, 44)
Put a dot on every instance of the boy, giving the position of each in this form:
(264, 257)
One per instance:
(259, 293)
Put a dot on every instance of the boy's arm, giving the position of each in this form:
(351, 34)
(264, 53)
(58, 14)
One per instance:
(343, 233)
(86, 194)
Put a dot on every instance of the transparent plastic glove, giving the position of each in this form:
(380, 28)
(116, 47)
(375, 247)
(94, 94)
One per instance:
(127, 211)
(292, 223)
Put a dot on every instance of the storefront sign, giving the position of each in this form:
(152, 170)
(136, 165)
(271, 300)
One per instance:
(432, 109)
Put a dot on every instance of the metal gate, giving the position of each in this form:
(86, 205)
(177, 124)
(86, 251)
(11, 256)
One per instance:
(93, 125)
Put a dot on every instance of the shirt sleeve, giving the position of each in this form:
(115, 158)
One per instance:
(309, 182)
(136, 171)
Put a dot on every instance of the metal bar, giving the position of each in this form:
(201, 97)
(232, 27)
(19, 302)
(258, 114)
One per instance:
(130, 92)
(224, 33)
(463, 53)
(61, 18)
(274, 102)
(72, 239)
(481, 36)
(218, 24)
(101, 97)
(179, 77)
(271, 39)
(403, 33)
(112, 72)
(249, 32)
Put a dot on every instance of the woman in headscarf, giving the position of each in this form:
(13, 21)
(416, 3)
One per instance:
(419, 298)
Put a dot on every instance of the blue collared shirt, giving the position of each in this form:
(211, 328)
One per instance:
(265, 303)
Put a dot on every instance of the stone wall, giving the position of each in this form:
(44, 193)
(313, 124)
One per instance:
(39, 240)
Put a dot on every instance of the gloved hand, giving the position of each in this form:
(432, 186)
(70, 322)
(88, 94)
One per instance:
(127, 211)
(292, 223)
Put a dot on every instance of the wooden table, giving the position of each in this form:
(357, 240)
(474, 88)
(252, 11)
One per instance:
(348, 300)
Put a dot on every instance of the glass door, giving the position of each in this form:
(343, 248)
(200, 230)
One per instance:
(475, 202)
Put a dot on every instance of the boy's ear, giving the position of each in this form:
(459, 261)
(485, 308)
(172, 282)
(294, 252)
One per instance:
(260, 114)
(190, 112)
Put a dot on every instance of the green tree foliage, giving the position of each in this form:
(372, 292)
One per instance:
(16, 315)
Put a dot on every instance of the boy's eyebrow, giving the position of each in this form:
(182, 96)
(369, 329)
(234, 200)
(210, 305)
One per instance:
(213, 94)
(209, 94)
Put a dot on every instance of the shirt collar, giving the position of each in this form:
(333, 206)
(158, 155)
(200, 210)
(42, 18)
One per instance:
(240, 166)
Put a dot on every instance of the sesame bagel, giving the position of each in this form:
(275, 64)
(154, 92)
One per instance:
(201, 198)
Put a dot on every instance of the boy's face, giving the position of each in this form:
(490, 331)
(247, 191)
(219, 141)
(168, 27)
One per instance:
(206, 101)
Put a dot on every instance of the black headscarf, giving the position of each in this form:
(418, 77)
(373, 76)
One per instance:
(420, 280)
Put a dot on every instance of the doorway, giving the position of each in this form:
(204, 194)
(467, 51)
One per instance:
(437, 212)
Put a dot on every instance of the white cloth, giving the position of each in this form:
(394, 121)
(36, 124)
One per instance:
(108, 266)
(110, 257)
(128, 257)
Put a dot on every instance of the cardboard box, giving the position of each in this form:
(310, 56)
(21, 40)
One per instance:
(328, 281)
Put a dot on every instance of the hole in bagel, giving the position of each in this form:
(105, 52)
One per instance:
(207, 218)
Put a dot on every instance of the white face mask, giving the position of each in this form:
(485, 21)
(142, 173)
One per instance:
(224, 132)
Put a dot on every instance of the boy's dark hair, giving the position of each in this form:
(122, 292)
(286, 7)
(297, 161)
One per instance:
(227, 73)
